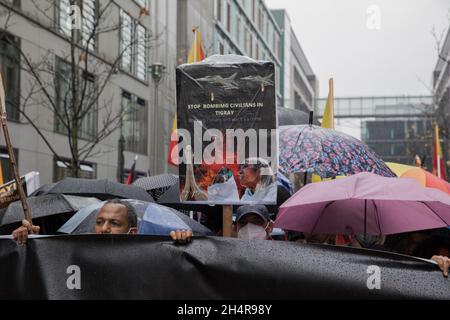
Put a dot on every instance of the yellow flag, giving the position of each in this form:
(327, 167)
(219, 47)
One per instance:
(327, 120)
(1, 173)
(328, 114)
(438, 156)
(196, 53)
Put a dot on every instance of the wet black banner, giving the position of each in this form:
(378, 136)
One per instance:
(146, 267)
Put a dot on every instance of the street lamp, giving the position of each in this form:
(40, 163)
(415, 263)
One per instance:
(157, 71)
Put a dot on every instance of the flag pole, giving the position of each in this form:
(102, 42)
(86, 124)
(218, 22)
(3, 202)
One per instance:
(12, 158)
(195, 44)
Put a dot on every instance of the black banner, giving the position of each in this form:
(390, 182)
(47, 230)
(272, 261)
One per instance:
(146, 267)
(227, 116)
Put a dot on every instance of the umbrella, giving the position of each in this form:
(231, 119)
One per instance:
(156, 182)
(425, 178)
(283, 181)
(43, 190)
(47, 205)
(326, 152)
(157, 185)
(365, 204)
(153, 219)
(288, 116)
(101, 189)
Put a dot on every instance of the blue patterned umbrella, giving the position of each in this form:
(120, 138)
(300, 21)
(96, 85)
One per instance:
(326, 152)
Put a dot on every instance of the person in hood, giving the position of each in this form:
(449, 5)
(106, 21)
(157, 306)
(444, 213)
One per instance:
(253, 222)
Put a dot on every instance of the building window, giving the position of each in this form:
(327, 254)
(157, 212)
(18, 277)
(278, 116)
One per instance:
(133, 46)
(219, 10)
(14, 3)
(134, 123)
(239, 31)
(62, 170)
(142, 3)
(126, 36)
(89, 122)
(228, 17)
(7, 170)
(141, 52)
(10, 69)
(89, 16)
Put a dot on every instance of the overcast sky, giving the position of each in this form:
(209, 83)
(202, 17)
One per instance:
(340, 39)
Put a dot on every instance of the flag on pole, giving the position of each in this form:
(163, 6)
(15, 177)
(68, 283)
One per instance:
(196, 54)
(132, 174)
(173, 149)
(327, 119)
(1, 174)
(2, 113)
(328, 114)
(438, 159)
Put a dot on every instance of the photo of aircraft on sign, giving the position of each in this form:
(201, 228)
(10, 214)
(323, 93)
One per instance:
(263, 81)
(226, 83)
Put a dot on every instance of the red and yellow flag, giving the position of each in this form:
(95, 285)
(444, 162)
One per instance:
(438, 158)
(196, 54)
(173, 149)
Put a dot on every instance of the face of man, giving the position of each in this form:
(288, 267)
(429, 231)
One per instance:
(113, 218)
(248, 177)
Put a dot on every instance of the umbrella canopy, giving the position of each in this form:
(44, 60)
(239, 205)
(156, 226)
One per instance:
(365, 204)
(153, 219)
(425, 178)
(326, 152)
(156, 182)
(156, 186)
(101, 189)
(47, 205)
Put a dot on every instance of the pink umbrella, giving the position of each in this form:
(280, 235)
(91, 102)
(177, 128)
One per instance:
(365, 204)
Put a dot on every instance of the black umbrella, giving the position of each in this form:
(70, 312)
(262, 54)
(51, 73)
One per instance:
(156, 186)
(287, 116)
(84, 220)
(156, 182)
(43, 190)
(47, 205)
(101, 189)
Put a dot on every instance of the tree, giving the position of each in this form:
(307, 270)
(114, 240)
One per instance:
(438, 112)
(72, 85)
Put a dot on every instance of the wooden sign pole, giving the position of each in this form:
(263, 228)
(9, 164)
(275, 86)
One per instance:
(227, 229)
(12, 157)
